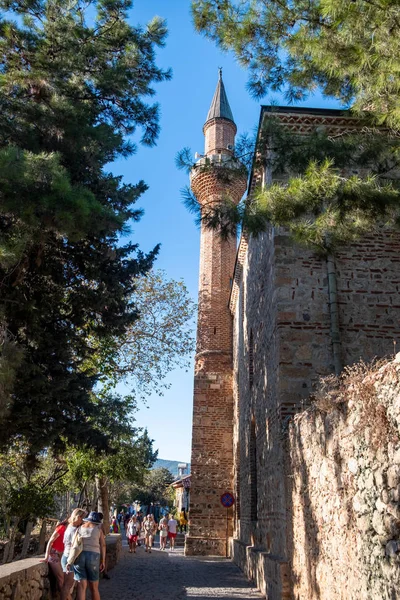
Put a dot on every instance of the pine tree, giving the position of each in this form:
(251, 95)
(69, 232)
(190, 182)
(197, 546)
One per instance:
(347, 49)
(73, 83)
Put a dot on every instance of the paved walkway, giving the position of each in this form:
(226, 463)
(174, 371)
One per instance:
(171, 576)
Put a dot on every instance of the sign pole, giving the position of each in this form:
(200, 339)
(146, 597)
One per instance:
(227, 525)
(227, 500)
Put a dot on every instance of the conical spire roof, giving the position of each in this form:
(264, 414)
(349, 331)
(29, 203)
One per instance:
(220, 108)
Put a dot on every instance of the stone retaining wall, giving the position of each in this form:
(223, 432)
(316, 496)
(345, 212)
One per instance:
(343, 473)
(28, 579)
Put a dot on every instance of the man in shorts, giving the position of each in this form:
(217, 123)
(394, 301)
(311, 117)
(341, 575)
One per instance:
(172, 525)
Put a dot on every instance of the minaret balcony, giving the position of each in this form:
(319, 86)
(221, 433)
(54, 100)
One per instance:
(215, 161)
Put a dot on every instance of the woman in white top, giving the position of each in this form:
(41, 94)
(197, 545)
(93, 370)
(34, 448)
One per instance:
(132, 532)
(90, 561)
(74, 521)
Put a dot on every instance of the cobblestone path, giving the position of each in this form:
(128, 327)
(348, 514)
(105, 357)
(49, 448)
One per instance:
(171, 576)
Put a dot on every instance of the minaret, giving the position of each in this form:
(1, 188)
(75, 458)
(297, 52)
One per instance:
(213, 178)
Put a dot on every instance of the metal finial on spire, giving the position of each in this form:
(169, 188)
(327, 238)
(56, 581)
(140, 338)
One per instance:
(220, 73)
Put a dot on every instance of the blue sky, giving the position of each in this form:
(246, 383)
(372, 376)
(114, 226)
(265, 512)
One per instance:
(184, 105)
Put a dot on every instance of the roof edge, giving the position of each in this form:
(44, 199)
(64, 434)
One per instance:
(303, 110)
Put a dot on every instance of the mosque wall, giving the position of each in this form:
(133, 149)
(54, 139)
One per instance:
(282, 347)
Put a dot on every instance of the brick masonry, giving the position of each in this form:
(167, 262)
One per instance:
(219, 134)
(212, 442)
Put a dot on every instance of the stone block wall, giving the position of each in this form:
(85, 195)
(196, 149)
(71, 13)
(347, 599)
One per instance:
(25, 580)
(114, 549)
(343, 474)
(259, 545)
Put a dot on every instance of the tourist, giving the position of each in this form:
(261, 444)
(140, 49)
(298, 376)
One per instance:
(114, 525)
(127, 518)
(120, 519)
(163, 527)
(54, 551)
(172, 524)
(74, 522)
(132, 532)
(90, 562)
(150, 528)
(182, 521)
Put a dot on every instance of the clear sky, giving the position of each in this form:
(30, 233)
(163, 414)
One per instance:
(184, 105)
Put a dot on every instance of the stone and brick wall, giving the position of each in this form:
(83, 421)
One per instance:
(280, 301)
(369, 296)
(259, 546)
(212, 460)
(283, 304)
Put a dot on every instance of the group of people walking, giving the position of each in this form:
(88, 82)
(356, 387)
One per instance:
(147, 530)
(77, 549)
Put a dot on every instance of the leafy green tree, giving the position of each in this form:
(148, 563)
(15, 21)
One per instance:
(160, 340)
(155, 487)
(27, 494)
(127, 462)
(74, 79)
(347, 49)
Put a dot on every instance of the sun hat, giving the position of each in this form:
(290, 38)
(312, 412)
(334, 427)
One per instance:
(93, 517)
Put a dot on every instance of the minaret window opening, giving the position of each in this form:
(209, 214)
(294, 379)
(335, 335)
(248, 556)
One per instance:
(253, 472)
(215, 330)
(251, 359)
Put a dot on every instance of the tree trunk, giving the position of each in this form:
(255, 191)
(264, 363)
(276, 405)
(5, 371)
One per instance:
(6, 551)
(103, 501)
(27, 539)
(334, 314)
(81, 496)
(9, 547)
(42, 536)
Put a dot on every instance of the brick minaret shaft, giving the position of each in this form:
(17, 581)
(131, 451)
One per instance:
(212, 441)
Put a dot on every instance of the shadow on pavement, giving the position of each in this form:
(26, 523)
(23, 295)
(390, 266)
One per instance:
(166, 575)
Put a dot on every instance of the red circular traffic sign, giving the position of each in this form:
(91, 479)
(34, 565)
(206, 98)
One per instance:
(227, 500)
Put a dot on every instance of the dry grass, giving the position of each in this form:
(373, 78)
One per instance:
(356, 390)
